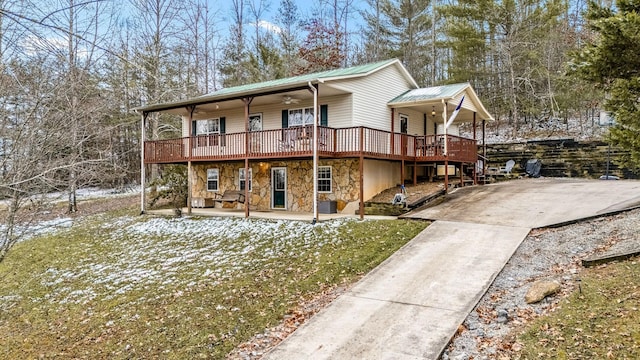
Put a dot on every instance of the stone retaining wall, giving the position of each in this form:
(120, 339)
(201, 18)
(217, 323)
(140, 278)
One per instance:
(560, 158)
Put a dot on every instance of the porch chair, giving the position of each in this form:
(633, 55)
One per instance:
(506, 170)
(288, 141)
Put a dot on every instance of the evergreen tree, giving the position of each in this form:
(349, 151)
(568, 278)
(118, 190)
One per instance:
(376, 38)
(265, 64)
(467, 31)
(234, 64)
(265, 59)
(401, 29)
(288, 18)
(611, 62)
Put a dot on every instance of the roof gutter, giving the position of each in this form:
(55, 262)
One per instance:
(209, 99)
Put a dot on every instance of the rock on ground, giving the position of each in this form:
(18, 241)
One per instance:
(540, 290)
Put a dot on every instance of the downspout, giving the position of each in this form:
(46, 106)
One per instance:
(142, 167)
(315, 152)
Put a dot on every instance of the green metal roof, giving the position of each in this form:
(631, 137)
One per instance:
(276, 85)
(322, 75)
(430, 93)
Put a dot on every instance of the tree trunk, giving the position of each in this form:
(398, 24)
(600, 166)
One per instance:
(513, 92)
(73, 178)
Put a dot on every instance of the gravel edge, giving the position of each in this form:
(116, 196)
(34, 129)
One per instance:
(489, 331)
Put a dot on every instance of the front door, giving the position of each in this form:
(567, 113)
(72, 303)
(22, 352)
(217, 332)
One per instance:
(404, 123)
(404, 129)
(279, 188)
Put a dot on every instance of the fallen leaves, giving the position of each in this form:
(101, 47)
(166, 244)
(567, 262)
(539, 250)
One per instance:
(306, 308)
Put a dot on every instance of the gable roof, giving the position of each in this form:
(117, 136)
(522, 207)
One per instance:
(272, 86)
(431, 93)
(450, 94)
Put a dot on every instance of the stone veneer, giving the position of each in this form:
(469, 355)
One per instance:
(345, 184)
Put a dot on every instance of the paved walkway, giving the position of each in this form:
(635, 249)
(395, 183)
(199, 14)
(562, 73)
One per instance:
(411, 305)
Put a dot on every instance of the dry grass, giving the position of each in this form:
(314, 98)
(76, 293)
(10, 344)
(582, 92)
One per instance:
(600, 321)
(121, 286)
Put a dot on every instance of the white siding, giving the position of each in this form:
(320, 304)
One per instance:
(185, 126)
(371, 94)
(430, 124)
(452, 130)
(416, 121)
(468, 102)
(340, 110)
(365, 106)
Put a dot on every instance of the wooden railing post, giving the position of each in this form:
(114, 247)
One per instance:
(361, 205)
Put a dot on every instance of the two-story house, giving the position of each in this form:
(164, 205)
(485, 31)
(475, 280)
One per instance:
(340, 135)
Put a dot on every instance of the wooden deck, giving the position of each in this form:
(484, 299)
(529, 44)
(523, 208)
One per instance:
(295, 142)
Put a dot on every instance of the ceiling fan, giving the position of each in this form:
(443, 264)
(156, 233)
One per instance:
(288, 99)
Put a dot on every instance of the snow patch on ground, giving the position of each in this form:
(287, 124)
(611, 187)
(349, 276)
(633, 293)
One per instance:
(170, 253)
(42, 228)
(577, 128)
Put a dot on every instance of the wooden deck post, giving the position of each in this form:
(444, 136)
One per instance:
(316, 113)
(247, 200)
(143, 179)
(484, 152)
(446, 174)
(361, 210)
(475, 166)
(189, 167)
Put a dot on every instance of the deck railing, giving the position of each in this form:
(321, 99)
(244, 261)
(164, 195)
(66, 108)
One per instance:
(297, 142)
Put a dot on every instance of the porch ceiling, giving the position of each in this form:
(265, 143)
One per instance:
(301, 93)
(205, 104)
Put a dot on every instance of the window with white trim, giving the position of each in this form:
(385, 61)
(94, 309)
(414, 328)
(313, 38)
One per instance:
(243, 180)
(210, 127)
(213, 179)
(324, 179)
(300, 117)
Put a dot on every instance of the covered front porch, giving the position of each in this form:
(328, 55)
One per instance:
(297, 142)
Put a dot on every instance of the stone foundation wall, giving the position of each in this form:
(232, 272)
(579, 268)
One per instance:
(345, 181)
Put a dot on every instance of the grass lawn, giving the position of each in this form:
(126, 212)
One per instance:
(119, 286)
(600, 322)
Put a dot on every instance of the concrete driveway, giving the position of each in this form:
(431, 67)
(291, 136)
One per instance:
(535, 203)
(411, 305)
